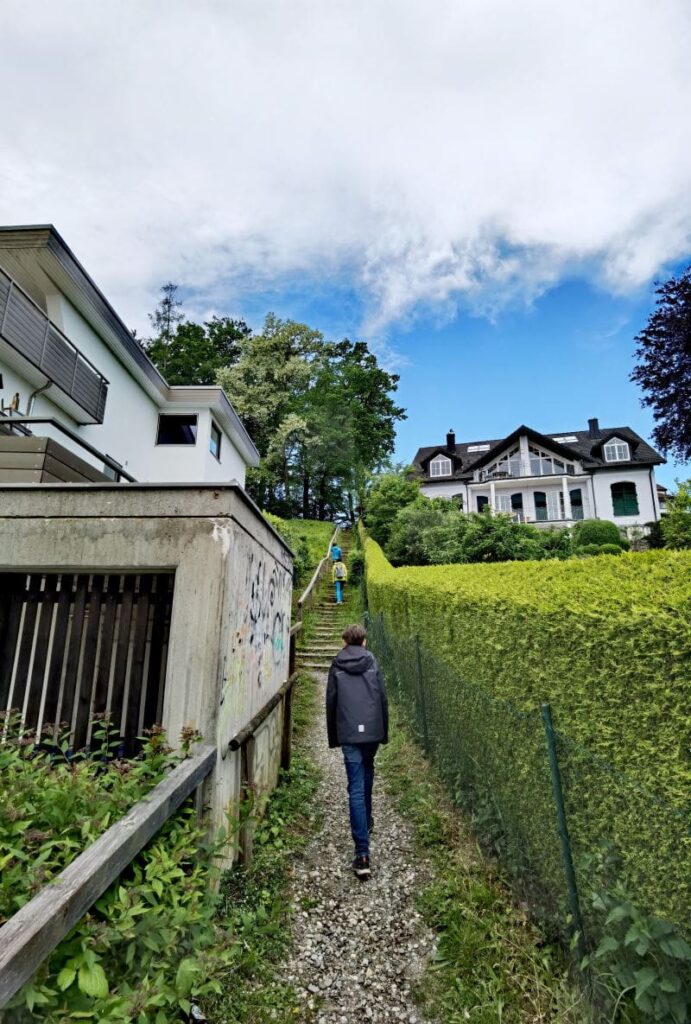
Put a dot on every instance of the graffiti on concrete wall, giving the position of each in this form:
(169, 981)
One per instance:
(255, 662)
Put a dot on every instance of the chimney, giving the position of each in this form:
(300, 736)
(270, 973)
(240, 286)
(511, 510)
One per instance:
(451, 441)
(593, 428)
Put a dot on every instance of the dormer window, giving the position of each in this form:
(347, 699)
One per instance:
(616, 450)
(440, 466)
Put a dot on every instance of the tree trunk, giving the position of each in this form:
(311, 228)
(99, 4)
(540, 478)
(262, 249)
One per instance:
(305, 496)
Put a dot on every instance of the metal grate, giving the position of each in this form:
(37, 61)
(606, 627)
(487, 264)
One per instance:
(73, 646)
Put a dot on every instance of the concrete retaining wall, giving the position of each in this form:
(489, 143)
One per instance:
(230, 626)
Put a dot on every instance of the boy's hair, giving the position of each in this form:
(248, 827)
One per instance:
(355, 635)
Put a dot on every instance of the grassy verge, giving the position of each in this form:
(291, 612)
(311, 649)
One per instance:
(492, 964)
(255, 904)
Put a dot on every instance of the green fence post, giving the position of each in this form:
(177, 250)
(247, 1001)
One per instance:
(564, 839)
(421, 692)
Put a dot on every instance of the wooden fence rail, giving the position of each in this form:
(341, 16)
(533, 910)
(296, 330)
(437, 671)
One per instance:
(35, 930)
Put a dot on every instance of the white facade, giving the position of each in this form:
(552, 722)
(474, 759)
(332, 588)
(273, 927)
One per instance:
(41, 267)
(548, 487)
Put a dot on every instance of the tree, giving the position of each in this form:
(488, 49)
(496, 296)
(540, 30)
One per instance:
(414, 524)
(391, 493)
(663, 370)
(320, 414)
(676, 522)
(187, 352)
(167, 314)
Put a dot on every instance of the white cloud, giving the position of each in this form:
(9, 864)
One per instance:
(453, 149)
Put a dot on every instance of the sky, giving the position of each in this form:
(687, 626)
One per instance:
(485, 191)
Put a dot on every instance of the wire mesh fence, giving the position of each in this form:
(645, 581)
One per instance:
(627, 846)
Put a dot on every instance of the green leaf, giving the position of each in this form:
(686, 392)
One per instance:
(676, 947)
(618, 913)
(66, 977)
(671, 983)
(184, 979)
(608, 945)
(644, 979)
(93, 981)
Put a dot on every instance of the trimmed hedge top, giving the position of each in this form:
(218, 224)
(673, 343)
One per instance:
(606, 640)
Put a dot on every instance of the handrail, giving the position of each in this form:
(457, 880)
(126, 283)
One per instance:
(318, 572)
(240, 738)
(16, 421)
(35, 930)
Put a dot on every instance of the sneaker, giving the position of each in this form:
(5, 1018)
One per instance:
(361, 868)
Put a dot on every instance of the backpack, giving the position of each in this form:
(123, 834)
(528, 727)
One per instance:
(340, 571)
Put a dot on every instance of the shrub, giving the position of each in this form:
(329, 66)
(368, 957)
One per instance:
(406, 544)
(610, 549)
(676, 522)
(308, 538)
(556, 543)
(356, 566)
(597, 531)
(390, 493)
(588, 550)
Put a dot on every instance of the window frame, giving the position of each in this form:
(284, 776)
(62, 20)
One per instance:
(626, 499)
(438, 461)
(216, 429)
(177, 444)
(616, 443)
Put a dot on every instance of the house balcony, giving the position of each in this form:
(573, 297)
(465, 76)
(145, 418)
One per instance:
(523, 471)
(32, 338)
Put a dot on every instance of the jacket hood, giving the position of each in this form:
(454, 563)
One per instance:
(353, 659)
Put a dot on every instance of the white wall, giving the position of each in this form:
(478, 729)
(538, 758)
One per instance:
(128, 432)
(647, 505)
(446, 490)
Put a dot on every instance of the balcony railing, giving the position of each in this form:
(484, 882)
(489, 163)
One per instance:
(25, 327)
(536, 467)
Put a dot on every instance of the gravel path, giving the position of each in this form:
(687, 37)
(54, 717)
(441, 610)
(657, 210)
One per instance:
(358, 946)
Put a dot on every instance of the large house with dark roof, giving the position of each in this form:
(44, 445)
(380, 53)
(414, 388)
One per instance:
(548, 479)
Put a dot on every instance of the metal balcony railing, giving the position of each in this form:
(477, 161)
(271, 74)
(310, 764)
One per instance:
(25, 327)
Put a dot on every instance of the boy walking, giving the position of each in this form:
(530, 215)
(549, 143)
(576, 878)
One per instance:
(357, 720)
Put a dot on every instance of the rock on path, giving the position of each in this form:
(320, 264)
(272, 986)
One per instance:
(358, 946)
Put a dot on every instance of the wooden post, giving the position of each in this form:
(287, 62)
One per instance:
(247, 799)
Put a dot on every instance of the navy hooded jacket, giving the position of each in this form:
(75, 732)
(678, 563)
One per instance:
(357, 710)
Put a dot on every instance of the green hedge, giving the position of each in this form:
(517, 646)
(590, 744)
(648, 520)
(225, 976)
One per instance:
(606, 640)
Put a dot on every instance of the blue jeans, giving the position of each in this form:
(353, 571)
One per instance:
(359, 766)
(339, 591)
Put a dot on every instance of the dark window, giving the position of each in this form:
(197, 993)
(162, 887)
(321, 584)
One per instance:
(576, 496)
(215, 442)
(482, 502)
(624, 499)
(180, 429)
(540, 506)
(517, 502)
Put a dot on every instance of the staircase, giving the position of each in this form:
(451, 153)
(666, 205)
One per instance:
(327, 621)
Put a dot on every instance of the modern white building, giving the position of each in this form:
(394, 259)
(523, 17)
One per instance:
(548, 479)
(79, 397)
